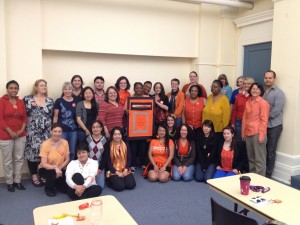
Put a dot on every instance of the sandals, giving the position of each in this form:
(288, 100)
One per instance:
(43, 180)
(37, 183)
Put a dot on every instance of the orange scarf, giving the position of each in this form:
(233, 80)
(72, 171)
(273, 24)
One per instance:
(118, 155)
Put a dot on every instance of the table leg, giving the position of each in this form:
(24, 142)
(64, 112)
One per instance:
(235, 207)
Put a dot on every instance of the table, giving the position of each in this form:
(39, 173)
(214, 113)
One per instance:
(287, 211)
(113, 212)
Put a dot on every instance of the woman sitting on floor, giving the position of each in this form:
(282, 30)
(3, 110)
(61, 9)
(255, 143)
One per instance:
(80, 175)
(119, 176)
(97, 142)
(228, 156)
(185, 153)
(206, 152)
(161, 153)
(55, 157)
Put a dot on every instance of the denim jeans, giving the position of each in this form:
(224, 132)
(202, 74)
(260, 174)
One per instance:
(178, 122)
(204, 175)
(223, 173)
(71, 137)
(100, 179)
(81, 136)
(187, 176)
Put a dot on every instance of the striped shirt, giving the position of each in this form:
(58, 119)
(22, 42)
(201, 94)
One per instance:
(111, 115)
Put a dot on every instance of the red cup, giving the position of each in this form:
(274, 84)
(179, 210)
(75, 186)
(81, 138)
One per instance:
(245, 184)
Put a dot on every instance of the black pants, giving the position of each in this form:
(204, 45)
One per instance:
(52, 182)
(90, 192)
(273, 135)
(120, 183)
(33, 167)
(138, 150)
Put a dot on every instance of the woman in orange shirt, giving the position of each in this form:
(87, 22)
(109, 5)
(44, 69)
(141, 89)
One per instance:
(228, 156)
(193, 107)
(254, 129)
(185, 154)
(123, 85)
(161, 153)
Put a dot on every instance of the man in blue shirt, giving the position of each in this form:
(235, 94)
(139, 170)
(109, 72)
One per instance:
(276, 99)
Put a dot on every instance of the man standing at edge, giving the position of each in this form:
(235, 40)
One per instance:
(99, 89)
(275, 97)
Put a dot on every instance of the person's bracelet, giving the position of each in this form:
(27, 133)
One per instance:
(85, 130)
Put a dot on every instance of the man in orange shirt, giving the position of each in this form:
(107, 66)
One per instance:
(176, 100)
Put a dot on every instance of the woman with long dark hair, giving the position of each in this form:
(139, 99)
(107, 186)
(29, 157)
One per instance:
(77, 83)
(228, 155)
(184, 155)
(119, 176)
(161, 104)
(206, 152)
(86, 113)
(160, 154)
(123, 85)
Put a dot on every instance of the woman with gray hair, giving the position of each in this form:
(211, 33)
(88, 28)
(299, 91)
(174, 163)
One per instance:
(65, 115)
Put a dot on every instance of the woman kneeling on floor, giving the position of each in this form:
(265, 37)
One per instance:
(119, 176)
(80, 175)
(161, 153)
(55, 156)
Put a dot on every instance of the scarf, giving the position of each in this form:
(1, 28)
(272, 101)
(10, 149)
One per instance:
(118, 155)
(172, 101)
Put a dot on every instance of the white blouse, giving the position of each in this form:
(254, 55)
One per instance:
(88, 171)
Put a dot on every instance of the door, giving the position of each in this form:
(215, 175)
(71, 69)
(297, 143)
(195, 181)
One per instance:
(257, 60)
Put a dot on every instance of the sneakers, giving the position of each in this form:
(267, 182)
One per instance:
(132, 169)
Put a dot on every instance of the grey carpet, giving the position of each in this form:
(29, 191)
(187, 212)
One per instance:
(172, 203)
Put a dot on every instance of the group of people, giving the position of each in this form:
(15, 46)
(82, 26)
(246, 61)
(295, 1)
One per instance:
(78, 143)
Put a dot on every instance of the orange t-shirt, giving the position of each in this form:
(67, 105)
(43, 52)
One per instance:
(55, 156)
(159, 153)
(123, 96)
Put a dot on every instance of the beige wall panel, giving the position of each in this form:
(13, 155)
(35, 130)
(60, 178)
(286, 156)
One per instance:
(59, 66)
(23, 42)
(133, 27)
(285, 61)
(3, 72)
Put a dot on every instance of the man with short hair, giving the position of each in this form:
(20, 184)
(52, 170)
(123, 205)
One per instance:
(147, 88)
(176, 100)
(275, 97)
(99, 89)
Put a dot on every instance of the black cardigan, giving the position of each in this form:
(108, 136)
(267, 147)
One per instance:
(205, 146)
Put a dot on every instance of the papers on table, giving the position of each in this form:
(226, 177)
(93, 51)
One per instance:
(64, 221)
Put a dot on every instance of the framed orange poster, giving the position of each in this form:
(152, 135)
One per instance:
(140, 117)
